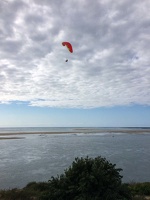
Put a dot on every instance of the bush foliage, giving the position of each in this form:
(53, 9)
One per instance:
(91, 179)
(140, 188)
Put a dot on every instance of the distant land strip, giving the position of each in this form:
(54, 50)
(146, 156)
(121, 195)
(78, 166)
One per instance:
(11, 138)
(78, 131)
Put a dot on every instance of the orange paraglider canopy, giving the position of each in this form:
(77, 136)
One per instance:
(68, 45)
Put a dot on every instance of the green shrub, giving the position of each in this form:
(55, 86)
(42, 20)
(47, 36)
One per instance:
(140, 188)
(88, 179)
(14, 194)
(34, 186)
(32, 191)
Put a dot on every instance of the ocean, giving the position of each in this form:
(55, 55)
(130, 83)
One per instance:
(39, 155)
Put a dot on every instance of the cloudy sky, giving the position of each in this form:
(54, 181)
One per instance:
(109, 68)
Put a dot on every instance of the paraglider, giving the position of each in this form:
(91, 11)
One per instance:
(69, 46)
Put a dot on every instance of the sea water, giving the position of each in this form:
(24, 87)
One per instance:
(37, 157)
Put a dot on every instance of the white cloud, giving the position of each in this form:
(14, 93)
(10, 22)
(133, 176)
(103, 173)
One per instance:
(110, 64)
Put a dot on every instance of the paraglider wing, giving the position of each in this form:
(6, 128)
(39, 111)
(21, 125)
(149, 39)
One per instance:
(68, 45)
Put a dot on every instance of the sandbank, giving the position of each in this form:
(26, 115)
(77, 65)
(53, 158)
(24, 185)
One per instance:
(11, 138)
(78, 131)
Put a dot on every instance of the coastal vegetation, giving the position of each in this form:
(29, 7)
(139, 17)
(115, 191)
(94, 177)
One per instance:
(86, 179)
